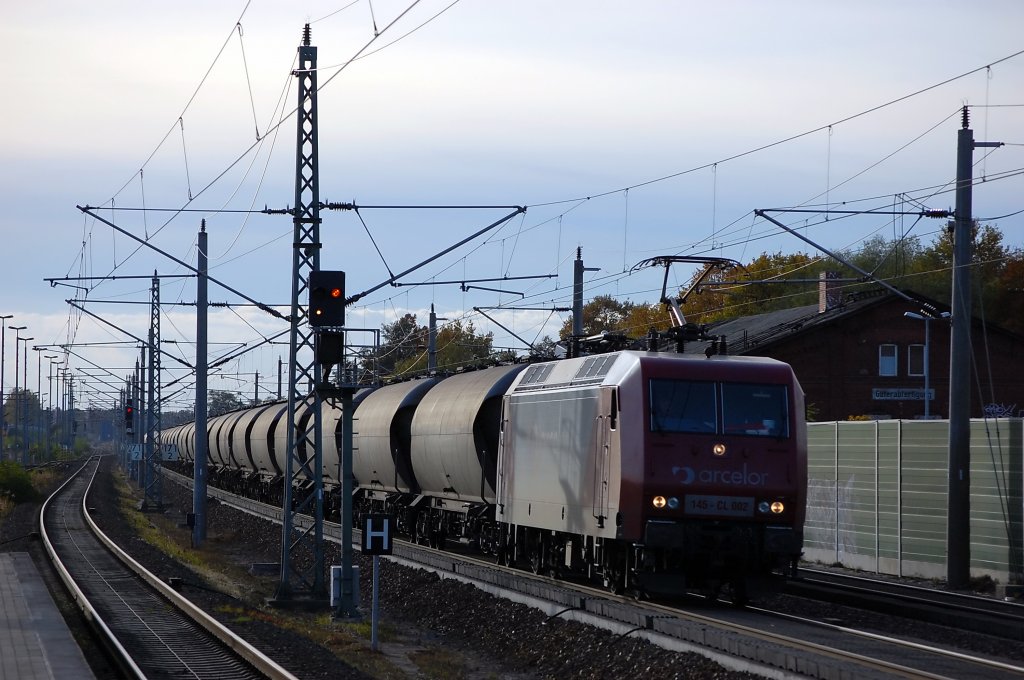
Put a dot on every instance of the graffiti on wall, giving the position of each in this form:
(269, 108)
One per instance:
(1001, 410)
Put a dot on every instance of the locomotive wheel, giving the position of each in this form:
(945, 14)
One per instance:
(612, 579)
(738, 591)
(614, 583)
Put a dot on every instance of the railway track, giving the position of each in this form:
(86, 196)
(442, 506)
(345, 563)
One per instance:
(743, 639)
(966, 612)
(150, 630)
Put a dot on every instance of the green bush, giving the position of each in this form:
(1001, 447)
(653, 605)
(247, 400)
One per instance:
(15, 482)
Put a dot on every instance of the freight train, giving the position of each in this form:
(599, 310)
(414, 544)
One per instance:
(649, 472)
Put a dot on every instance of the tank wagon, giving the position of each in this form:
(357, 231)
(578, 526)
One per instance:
(647, 471)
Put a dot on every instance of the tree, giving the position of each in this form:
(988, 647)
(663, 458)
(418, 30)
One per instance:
(997, 276)
(24, 402)
(458, 345)
(887, 259)
(603, 313)
(401, 340)
(990, 260)
(220, 402)
(1008, 298)
(709, 303)
(544, 349)
(642, 317)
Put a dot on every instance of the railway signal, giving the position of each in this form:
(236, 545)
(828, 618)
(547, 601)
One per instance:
(129, 418)
(326, 298)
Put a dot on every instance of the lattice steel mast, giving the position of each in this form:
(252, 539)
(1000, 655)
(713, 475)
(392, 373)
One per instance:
(304, 459)
(152, 453)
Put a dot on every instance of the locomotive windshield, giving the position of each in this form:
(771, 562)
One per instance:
(755, 409)
(683, 406)
(707, 408)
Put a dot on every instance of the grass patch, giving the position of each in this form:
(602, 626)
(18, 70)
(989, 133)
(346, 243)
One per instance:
(45, 479)
(347, 640)
(438, 663)
(144, 526)
(16, 483)
(6, 505)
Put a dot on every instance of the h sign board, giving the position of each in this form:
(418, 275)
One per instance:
(377, 534)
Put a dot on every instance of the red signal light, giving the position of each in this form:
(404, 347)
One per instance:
(326, 298)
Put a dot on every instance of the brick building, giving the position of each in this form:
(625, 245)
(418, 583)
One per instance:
(861, 356)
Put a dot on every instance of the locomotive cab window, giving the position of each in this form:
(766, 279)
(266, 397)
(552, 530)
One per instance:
(683, 406)
(755, 409)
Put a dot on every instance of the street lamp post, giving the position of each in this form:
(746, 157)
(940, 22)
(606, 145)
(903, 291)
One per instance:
(24, 404)
(927, 344)
(59, 422)
(39, 395)
(3, 404)
(17, 336)
(49, 400)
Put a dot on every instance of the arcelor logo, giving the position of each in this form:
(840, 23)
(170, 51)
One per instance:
(742, 477)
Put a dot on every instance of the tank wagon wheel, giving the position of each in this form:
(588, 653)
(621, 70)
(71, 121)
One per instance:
(506, 550)
(536, 553)
(711, 591)
(536, 558)
(738, 592)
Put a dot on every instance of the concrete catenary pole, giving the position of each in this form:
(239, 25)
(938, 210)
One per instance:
(577, 304)
(200, 465)
(958, 525)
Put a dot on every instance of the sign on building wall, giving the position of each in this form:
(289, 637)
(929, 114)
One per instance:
(900, 394)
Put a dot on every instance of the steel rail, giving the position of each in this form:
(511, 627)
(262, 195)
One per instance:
(670, 626)
(97, 560)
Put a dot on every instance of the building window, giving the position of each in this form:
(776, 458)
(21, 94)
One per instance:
(887, 360)
(915, 360)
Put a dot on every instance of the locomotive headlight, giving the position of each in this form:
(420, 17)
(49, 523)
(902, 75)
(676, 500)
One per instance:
(774, 507)
(718, 449)
(673, 503)
(659, 502)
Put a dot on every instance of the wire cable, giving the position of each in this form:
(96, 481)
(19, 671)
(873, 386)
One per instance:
(791, 138)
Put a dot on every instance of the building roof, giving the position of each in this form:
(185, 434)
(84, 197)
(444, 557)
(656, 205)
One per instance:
(747, 334)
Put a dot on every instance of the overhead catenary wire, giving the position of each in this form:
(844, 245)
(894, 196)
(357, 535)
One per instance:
(286, 117)
(510, 260)
(785, 140)
(248, 81)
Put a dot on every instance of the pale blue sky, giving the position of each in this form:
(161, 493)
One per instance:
(493, 102)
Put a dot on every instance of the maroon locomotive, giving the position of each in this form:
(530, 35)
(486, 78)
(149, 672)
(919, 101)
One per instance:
(656, 472)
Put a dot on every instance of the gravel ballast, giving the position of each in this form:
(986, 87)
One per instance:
(430, 627)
